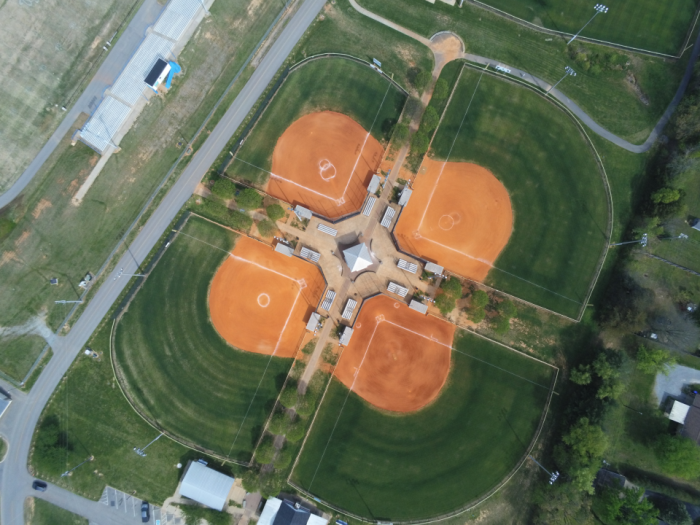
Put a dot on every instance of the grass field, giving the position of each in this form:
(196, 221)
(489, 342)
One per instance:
(176, 367)
(556, 190)
(335, 84)
(606, 96)
(645, 24)
(388, 467)
(53, 238)
(46, 49)
(42, 512)
(20, 353)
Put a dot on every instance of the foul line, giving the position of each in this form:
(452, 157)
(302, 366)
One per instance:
(450, 151)
(263, 374)
(343, 406)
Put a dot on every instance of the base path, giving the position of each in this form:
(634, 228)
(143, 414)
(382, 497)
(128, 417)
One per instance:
(260, 300)
(398, 359)
(459, 215)
(324, 161)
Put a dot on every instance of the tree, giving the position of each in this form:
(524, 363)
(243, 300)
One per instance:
(430, 119)
(581, 375)
(267, 228)
(296, 432)
(289, 397)
(476, 315)
(419, 143)
(400, 133)
(585, 446)
(275, 212)
(628, 506)
(610, 388)
(422, 79)
(284, 458)
(679, 456)
(479, 299)
(441, 89)
(265, 452)
(500, 325)
(562, 504)
(445, 303)
(224, 188)
(250, 480)
(665, 196)
(673, 511)
(249, 199)
(306, 405)
(654, 360)
(507, 309)
(271, 484)
(452, 286)
(278, 424)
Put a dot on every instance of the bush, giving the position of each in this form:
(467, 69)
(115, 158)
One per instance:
(420, 143)
(430, 119)
(400, 133)
(249, 199)
(445, 303)
(422, 80)
(265, 452)
(221, 214)
(275, 212)
(679, 456)
(194, 515)
(441, 89)
(296, 432)
(500, 324)
(654, 360)
(278, 424)
(284, 458)
(224, 188)
(289, 397)
(267, 228)
(665, 196)
(507, 309)
(452, 286)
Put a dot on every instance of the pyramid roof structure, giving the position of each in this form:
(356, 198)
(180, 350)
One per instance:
(358, 257)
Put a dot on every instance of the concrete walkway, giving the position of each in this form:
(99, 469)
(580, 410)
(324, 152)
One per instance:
(537, 82)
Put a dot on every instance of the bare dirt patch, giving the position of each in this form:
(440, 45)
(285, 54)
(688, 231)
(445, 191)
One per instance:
(43, 204)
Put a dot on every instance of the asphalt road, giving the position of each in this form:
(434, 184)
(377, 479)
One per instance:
(18, 424)
(119, 55)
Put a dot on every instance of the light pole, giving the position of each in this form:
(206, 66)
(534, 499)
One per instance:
(140, 451)
(67, 302)
(599, 8)
(553, 476)
(569, 72)
(67, 472)
(121, 273)
(642, 241)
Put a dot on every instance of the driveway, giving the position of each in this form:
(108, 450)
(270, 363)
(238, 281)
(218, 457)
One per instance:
(672, 384)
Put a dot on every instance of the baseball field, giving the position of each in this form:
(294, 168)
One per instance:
(644, 24)
(176, 369)
(397, 466)
(554, 185)
(322, 136)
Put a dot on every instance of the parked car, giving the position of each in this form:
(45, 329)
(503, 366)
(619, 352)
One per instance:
(502, 69)
(39, 485)
(145, 515)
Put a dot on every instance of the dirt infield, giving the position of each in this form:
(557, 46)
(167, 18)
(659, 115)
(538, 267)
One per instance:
(260, 300)
(398, 359)
(324, 161)
(459, 216)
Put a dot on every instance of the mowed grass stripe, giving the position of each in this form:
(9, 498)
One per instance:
(176, 367)
(328, 84)
(559, 203)
(386, 466)
(644, 24)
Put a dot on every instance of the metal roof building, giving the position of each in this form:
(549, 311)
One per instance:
(100, 130)
(206, 486)
(278, 512)
(357, 257)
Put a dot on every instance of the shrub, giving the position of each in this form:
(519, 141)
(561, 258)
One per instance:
(221, 214)
(296, 432)
(265, 452)
(507, 309)
(445, 303)
(479, 299)
(430, 119)
(275, 212)
(224, 188)
(665, 196)
(420, 143)
(654, 360)
(289, 397)
(400, 133)
(278, 424)
(452, 286)
(422, 80)
(267, 228)
(679, 456)
(441, 89)
(501, 324)
(249, 199)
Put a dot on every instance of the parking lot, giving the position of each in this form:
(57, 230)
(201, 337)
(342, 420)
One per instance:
(130, 506)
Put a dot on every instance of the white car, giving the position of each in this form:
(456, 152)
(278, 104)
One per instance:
(502, 69)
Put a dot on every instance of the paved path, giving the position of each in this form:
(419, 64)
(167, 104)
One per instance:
(573, 107)
(671, 384)
(18, 424)
(116, 60)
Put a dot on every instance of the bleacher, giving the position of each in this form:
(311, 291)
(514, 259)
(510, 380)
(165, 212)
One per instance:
(328, 301)
(369, 205)
(407, 266)
(388, 215)
(327, 230)
(397, 289)
(349, 309)
(310, 255)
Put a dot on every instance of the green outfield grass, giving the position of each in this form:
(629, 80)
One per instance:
(335, 84)
(605, 95)
(390, 467)
(644, 24)
(556, 189)
(177, 369)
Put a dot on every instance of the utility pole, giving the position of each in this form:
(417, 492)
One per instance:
(569, 72)
(599, 8)
(121, 273)
(140, 451)
(67, 302)
(67, 472)
(642, 241)
(553, 476)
